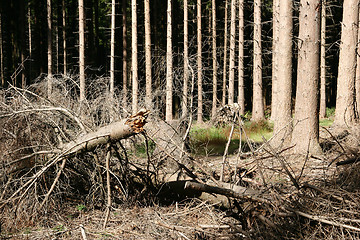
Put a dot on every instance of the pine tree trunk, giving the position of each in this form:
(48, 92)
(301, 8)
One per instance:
(186, 61)
(82, 50)
(64, 37)
(49, 47)
(241, 92)
(1, 56)
(124, 54)
(199, 64)
(282, 123)
(232, 52)
(305, 135)
(275, 40)
(223, 100)
(323, 61)
(345, 104)
(258, 102)
(134, 55)
(214, 61)
(169, 63)
(112, 50)
(148, 74)
(29, 41)
(357, 78)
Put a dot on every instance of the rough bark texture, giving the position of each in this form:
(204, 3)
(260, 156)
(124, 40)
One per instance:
(345, 95)
(124, 54)
(199, 64)
(322, 112)
(232, 53)
(184, 103)
(275, 41)
(148, 74)
(49, 45)
(223, 101)
(214, 62)
(134, 55)
(357, 79)
(241, 92)
(112, 50)
(169, 64)
(258, 103)
(306, 123)
(64, 37)
(82, 50)
(282, 122)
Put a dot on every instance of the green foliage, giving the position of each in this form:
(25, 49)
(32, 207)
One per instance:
(326, 122)
(81, 207)
(330, 112)
(59, 228)
(140, 149)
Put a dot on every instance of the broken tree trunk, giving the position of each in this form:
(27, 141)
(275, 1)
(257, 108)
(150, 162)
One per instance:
(113, 132)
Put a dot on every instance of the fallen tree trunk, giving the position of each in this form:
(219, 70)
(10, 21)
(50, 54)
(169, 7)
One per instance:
(110, 133)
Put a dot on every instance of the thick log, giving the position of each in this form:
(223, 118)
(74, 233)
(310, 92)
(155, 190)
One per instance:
(110, 133)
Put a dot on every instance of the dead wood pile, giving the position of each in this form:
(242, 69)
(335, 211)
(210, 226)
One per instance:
(57, 153)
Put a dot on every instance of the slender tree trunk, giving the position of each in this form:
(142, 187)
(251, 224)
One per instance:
(30, 40)
(82, 50)
(64, 36)
(112, 50)
(214, 61)
(258, 102)
(134, 55)
(282, 123)
(241, 92)
(169, 63)
(22, 23)
(357, 78)
(199, 64)
(1, 56)
(124, 45)
(274, 91)
(186, 61)
(148, 75)
(49, 46)
(323, 61)
(305, 135)
(232, 52)
(345, 104)
(223, 100)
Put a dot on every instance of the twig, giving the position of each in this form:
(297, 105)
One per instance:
(226, 150)
(108, 185)
(83, 233)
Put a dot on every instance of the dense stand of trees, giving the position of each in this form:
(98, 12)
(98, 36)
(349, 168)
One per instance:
(262, 55)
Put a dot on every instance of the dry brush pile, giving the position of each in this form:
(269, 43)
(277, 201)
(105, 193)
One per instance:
(56, 153)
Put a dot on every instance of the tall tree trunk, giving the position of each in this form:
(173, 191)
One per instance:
(258, 102)
(322, 112)
(134, 55)
(22, 23)
(148, 75)
(169, 63)
(124, 54)
(345, 104)
(1, 55)
(282, 123)
(241, 91)
(186, 61)
(30, 40)
(64, 37)
(232, 52)
(49, 47)
(223, 100)
(112, 50)
(199, 64)
(275, 66)
(82, 50)
(305, 135)
(357, 78)
(214, 61)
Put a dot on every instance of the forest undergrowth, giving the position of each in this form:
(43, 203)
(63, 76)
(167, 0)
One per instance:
(150, 185)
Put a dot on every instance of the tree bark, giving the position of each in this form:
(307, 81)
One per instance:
(322, 112)
(275, 67)
(134, 55)
(199, 64)
(305, 135)
(258, 102)
(345, 95)
(64, 37)
(357, 78)
(148, 74)
(49, 47)
(82, 50)
(186, 61)
(124, 53)
(241, 90)
(282, 122)
(223, 101)
(169, 63)
(214, 61)
(232, 53)
(112, 50)
(1, 56)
